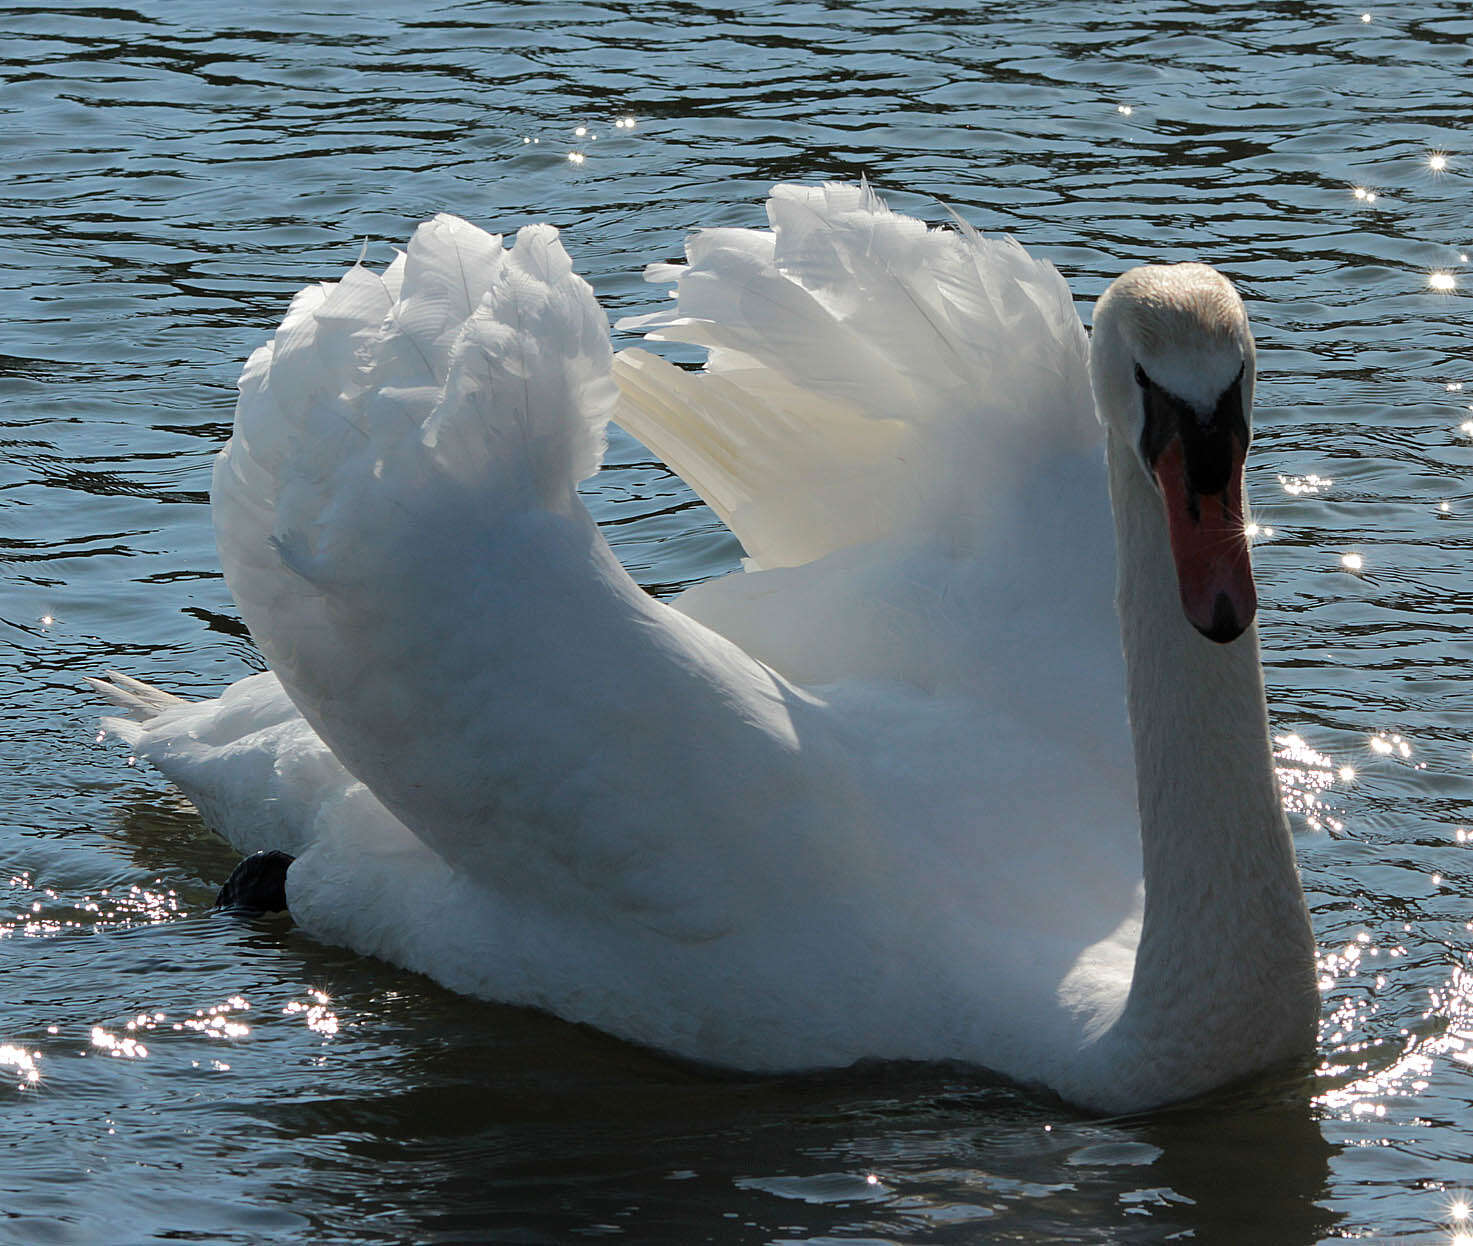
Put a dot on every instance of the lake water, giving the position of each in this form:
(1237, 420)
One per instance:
(173, 173)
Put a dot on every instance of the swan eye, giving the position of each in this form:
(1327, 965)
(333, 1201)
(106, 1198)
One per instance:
(1160, 417)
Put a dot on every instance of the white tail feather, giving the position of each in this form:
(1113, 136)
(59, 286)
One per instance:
(142, 701)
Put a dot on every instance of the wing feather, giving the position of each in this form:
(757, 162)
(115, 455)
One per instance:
(398, 518)
(868, 377)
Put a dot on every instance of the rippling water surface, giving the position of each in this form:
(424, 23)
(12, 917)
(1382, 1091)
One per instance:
(173, 173)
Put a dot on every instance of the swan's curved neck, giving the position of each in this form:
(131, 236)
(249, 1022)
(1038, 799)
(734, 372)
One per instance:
(1224, 978)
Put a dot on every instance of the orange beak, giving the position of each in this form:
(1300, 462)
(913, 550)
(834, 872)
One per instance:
(1209, 543)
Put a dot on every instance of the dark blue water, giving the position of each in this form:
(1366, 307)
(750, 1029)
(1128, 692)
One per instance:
(173, 173)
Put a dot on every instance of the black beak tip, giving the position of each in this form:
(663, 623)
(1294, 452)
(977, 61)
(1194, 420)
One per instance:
(1225, 625)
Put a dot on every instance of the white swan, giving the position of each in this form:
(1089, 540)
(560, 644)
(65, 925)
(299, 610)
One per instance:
(876, 795)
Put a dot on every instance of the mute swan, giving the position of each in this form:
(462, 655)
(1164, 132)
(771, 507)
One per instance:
(876, 795)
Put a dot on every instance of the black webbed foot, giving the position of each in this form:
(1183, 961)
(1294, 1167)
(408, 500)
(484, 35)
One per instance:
(257, 884)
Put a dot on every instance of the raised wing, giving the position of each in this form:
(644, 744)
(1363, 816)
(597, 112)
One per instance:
(868, 377)
(399, 523)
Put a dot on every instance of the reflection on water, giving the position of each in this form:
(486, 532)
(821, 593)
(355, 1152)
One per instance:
(176, 171)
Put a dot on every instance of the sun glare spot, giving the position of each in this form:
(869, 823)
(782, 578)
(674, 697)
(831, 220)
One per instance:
(1437, 161)
(1303, 773)
(1124, 109)
(129, 1048)
(1366, 18)
(319, 1017)
(1297, 486)
(21, 1063)
(1353, 563)
(1442, 281)
(576, 157)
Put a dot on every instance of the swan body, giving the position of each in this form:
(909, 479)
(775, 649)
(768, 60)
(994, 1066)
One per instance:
(896, 790)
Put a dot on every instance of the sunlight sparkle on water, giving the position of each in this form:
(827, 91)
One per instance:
(130, 1048)
(319, 1017)
(1389, 745)
(22, 1062)
(1361, 193)
(1437, 161)
(215, 1022)
(576, 157)
(1297, 486)
(1443, 281)
(1353, 563)
(1367, 1088)
(44, 912)
(1124, 109)
(1303, 773)
(1365, 17)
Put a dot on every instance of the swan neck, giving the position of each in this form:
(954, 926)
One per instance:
(1224, 972)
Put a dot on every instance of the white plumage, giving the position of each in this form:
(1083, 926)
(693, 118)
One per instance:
(876, 795)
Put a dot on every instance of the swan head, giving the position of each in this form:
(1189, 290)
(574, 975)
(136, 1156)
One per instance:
(1172, 365)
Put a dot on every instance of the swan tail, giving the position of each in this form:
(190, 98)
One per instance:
(253, 768)
(142, 701)
(866, 375)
